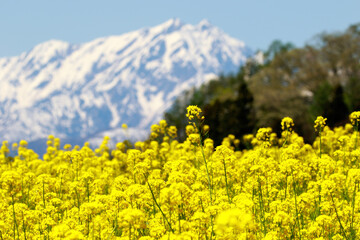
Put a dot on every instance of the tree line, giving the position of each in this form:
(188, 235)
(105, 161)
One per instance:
(321, 78)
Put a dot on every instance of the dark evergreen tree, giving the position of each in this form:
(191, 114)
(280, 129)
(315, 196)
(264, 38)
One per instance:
(321, 100)
(337, 112)
(232, 116)
(227, 104)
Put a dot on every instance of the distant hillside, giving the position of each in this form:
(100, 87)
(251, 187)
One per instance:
(82, 91)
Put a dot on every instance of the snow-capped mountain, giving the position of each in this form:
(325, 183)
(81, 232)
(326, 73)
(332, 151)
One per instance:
(80, 91)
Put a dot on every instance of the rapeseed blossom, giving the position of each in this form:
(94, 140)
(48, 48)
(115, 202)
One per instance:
(355, 118)
(320, 123)
(193, 112)
(287, 124)
(278, 188)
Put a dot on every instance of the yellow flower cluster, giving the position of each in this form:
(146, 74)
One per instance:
(263, 134)
(355, 118)
(165, 189)
(320, 123)
(163, 130)
(193, 112)
(287, 124)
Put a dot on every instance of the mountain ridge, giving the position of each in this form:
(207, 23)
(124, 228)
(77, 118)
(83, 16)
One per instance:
(82, 90)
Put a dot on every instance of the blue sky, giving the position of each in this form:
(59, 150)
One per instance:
(27, 23)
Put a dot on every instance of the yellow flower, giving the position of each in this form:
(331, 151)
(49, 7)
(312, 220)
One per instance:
(320, 123)
(237, 142)
(132, 217)
(189, 129)
(248, 138)
(172, 131)
(85, 193)
(193, 112)
(194, 138)
(23, 143)
(163, 124)
(155, 128)
(355, 118)
(287, 124)
(206, 128)
(10, 181)
(263, 134)
(232, 222)
(67, 147)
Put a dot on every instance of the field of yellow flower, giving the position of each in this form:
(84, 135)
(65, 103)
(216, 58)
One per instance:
(279, 188)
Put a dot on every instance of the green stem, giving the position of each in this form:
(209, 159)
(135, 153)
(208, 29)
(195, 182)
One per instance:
(60, 187)
(207, 170)
(212, 227)
(208, 177)
(28, 195)
(226, 183)
(338, 218)
(77, 197)
(179, 223)
(134, 171)
(24, 226)
(88, 225)
(88, 192)
(320, 141)
(153, 196)
(287, 133)
(296, 210)
(356, 134)
(262, 208)
(14, 216)
(129, 232)
(352, 232)
(43, 194)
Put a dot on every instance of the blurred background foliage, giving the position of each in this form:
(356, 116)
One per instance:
(322, 78)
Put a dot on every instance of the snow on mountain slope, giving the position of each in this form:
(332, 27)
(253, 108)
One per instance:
(84, 90)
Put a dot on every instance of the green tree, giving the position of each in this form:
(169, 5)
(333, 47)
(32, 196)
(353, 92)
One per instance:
(277, 47)
(322, 78)
(319, 79)
(336, 111)
(231, 116)
(321, 100)
(221, 99)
